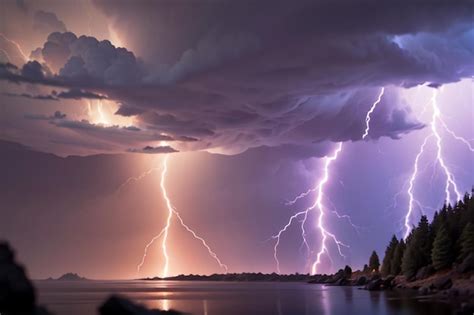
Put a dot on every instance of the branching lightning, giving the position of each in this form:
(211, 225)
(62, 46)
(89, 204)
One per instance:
(455, 136)
(411, 184)
(136, 178)
(316, 206)
(165, 231)
(450, 183)
(319, 206)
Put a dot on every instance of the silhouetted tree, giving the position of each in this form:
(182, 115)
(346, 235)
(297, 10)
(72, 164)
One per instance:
(467, 241)
(374, 262)
(396, 262)
(386, 264)
(366, 269)
(442, 254)
(450, 235)
(424, 241)
(347, 272)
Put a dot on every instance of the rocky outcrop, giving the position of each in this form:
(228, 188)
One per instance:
(374, 285)
(17, 295)
(360, 281)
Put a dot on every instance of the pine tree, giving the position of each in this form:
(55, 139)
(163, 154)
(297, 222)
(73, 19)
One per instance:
(396, 262)
(424, 240)
(409, 260)
(442, 254)
(467, 241)
(374, 262)
(386, 265)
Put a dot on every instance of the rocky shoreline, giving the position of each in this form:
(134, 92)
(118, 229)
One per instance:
(450, 286)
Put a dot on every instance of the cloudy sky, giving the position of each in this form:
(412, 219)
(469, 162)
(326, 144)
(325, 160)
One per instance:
(246, 100)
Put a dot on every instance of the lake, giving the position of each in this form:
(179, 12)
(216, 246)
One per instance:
(232, 298)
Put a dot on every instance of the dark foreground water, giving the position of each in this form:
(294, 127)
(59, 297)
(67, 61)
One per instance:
(232, 298)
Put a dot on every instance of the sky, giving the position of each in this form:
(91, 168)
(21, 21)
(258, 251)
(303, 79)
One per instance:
(245, 104)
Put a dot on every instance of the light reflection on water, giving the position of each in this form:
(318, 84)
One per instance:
(231, 298)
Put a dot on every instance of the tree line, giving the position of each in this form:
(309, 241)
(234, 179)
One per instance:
(447, 240)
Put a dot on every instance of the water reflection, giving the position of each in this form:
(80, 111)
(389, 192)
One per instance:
(326, 302)
(236, 298)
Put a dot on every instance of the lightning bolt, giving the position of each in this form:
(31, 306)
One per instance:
(165, 231)
(319, 206)
(369, 114)
(411, 185)
(316, 206)
(25, 58)
(455, 136)
(450, 180)
(168, 219)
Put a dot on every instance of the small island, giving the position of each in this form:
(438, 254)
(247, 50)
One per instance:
(70, 276)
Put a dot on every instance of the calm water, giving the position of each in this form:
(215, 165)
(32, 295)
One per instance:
(232, 298)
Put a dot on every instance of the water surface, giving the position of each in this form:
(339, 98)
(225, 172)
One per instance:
(232, 298)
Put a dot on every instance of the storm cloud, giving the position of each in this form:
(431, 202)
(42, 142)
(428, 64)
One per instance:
(286, 75)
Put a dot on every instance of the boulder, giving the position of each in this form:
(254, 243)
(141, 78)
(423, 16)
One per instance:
(442, 283)
(342, 282)
(424, 272)
(467, 264)
(362, 280)
(374, 285)
(388, 283)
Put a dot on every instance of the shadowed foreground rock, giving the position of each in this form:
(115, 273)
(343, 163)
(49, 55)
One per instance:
(17, 294)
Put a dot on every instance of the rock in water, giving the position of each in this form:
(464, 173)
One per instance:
(374, 285)
(362, 280)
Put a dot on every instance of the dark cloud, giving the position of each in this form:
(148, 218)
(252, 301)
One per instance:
(56, 115)
(108, 138)
(154, 150)
(128, 111)
(290, 74)
(30, 96)
(78, 94)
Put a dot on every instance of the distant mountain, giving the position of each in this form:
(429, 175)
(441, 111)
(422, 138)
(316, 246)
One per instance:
(71, 277)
